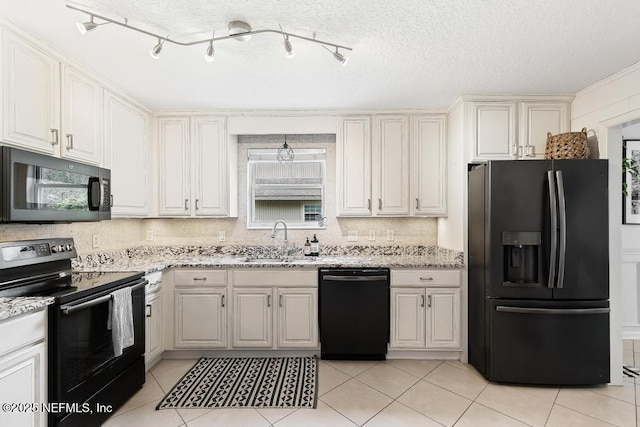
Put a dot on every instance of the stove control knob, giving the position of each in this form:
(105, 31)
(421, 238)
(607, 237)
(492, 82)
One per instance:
(54, 249)
(68, 247)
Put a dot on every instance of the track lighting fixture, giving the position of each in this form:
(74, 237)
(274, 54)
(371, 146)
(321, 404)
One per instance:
(155, 51)
(238, 30)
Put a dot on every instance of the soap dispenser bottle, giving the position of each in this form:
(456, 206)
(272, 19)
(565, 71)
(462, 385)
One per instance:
(315, 246)
(307, 248)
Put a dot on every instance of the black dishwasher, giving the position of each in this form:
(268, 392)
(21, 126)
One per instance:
(354, 313)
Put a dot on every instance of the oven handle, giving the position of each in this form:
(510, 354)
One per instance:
(68, 309)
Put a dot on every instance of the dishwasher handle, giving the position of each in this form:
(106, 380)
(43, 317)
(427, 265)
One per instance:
(335, 278)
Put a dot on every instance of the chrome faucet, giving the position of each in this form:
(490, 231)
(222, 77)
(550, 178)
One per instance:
(273, 232)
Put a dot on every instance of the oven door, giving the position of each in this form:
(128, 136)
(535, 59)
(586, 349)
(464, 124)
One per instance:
(81, 357)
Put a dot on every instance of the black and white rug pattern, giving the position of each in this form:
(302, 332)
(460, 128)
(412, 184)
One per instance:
(246, 382)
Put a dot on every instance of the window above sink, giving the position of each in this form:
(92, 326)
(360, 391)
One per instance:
(290, 191)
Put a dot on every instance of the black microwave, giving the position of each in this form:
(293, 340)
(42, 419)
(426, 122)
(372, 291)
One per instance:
(42, 189)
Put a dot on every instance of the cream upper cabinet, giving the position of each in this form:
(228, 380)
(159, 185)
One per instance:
(30, 96)
(210, 166)
(391, 165)
(538, 118)
(82, 117)
(126, 154)
(390, 170)
(49, 107)
(516, 129)
(353, 166)
(494, 130)
(429, 165)
(194, 166)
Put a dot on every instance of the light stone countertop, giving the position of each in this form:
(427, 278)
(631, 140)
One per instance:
(151, 264)
(12, 307)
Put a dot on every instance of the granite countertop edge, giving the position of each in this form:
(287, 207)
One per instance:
(15, 306)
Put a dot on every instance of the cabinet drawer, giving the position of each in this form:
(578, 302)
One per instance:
(425, 278)
(200, 278)
(275, 277)
(22, 330)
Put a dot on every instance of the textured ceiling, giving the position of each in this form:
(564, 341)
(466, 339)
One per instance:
(406, 53)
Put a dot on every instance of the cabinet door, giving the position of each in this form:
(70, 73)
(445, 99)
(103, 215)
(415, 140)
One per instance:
(353, 165)
(252, 318)
(407, 318)
(22, 380)
(126, 150)
(173, 138)
(201, 319)
(391, 165)
(210, 166)
(494, 130)
(538, 118)
(428, 168)
(30, 97)
(443, 318)
(153, 327)
(297, 318)
(82, 115)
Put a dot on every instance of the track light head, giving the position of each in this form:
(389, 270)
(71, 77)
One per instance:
(208, 56)
(288, 47)
(84, 27)
(340, 57)
(155, 51)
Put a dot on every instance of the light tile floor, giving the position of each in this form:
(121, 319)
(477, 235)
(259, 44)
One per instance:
(403, 393)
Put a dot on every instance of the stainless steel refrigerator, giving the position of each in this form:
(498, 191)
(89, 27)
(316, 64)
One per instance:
(539, 271)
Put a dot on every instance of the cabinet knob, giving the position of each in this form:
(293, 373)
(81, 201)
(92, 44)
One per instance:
(379, 204)
(280, 301)
(197, 202)
(222, 301)
(186, 204)
(421, 300)
(369, 204)
(417, 203)
(268, 300)
(429, 301)
(69, 141)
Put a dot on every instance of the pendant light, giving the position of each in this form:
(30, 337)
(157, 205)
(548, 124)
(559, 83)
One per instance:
(285, 153)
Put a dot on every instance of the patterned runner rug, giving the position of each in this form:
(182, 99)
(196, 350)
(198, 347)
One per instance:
(241, 382)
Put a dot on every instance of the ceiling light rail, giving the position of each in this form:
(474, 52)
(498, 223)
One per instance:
(238, 30)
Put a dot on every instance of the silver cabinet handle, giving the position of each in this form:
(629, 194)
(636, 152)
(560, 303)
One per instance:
(268, 300)
(54, 137)
(222, 301)
(421, 300)
(429, 301)
(426, 278)
(417, 203)
(515, 149)
(200, 278)
(69, 141)
(186, 204)
(280, 301)
(111, 200)
(530, 150)
(369, 204)
(149, 308)
(197, 201)
(379, 204)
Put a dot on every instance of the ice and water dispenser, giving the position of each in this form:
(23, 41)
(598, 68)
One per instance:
(522, 253)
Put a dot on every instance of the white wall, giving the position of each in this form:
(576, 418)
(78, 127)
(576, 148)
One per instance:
(610, 110)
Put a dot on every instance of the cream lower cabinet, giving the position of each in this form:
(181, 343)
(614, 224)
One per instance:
(200, 304)
(275, 303)
(153, 328)
(425, 317)
(23, 368)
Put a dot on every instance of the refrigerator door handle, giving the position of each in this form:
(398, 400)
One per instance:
(530, 310)
(562, 203)
(553, 209)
